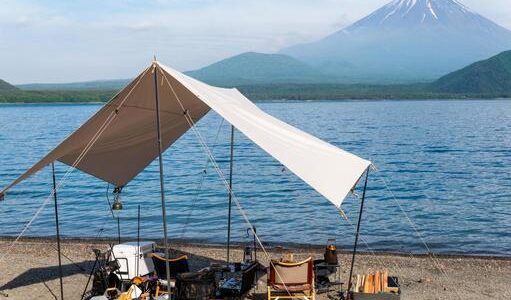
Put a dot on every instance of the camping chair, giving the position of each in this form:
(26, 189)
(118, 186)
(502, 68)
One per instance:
(176, 266)
(291, 280)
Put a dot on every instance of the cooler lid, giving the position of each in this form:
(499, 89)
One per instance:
(132, 246)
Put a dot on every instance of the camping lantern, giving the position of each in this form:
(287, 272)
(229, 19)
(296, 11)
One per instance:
(117, 199)
(331, 252)
(247, 254)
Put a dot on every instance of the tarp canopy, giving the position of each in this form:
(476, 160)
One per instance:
(120, 140)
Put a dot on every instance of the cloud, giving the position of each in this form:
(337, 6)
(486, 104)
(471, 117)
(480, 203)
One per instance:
(91, 39)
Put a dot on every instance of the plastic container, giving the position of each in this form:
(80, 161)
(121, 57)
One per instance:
(131, 257)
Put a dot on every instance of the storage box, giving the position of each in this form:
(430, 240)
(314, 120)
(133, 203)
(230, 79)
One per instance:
(242, 281)
(131, 258)
(195, 285)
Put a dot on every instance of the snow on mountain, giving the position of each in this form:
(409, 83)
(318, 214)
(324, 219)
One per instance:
(422, 13)
(406, 40)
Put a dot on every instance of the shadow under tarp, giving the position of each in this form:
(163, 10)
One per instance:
(43, 274)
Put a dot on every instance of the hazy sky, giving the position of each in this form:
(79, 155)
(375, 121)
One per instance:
(63, 41)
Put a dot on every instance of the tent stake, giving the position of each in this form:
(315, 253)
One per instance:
(358, 233)
(57, 229)
(162, 186)
(230, 196)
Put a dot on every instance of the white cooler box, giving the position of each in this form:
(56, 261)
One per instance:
(127, 256)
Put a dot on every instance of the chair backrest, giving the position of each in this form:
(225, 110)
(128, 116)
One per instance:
(291, 273)
(176, 265)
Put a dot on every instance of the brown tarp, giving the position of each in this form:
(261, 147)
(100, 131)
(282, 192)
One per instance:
(121, 136)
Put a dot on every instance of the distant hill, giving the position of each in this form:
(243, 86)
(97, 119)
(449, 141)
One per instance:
(258, 68)
(245, 68)
(406, 41)
(6, 87)
(115, 84)
(488, 77)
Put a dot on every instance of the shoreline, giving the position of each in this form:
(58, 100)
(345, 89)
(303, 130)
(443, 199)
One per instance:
(375, 99)
(285, 246)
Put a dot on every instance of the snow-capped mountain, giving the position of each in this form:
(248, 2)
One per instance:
(421, 13)
(406, 40)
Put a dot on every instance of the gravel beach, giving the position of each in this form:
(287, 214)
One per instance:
(29, 270)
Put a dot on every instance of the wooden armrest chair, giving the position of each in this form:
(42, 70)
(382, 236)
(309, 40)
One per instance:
(291, 280)
(176, 266)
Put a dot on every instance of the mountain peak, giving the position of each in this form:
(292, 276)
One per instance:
(426, 4)
(406, 40)
(418, 13)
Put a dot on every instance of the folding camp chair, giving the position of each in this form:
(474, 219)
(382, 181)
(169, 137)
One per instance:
(291, 280)
(176, 266)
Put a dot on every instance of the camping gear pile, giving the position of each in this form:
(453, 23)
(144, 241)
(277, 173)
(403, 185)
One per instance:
(134, 270)
(378, 285)
(126, 271)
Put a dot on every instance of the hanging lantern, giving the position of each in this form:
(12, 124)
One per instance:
(117, 199)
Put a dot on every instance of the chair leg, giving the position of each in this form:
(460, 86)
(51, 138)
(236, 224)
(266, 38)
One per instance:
(309, 295)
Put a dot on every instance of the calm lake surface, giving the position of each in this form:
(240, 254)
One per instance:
(448, 163)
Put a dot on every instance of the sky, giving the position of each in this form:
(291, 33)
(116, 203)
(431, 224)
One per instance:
(79, 40)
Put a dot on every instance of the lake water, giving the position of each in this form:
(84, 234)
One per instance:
(448, 163)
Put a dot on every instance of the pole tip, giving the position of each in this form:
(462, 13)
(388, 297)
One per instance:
(2, 196)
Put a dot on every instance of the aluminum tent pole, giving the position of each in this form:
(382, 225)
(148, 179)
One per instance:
(358, 231)
(138, 241)
(118, 230)
(57, 229)
(231, 163)
(162, 186)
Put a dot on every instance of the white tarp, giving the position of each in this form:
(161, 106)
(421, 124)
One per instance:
(329, 170)
(128, 144)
